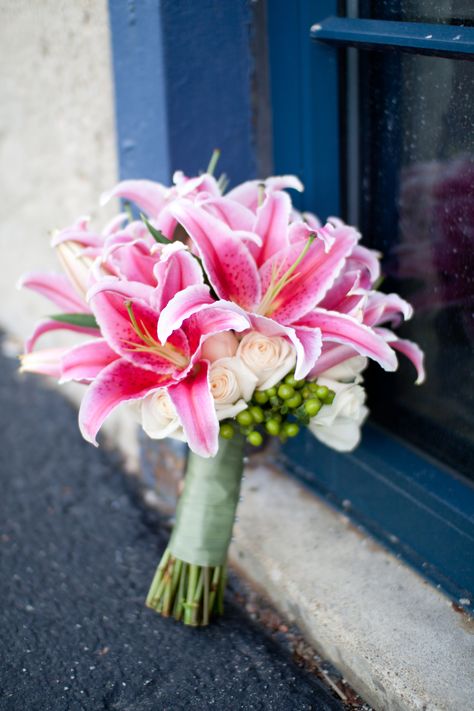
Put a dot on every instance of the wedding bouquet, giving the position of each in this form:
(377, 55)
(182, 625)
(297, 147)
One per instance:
(220, 319)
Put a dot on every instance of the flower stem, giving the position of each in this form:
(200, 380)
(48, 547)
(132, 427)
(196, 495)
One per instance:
(190, 580)
(191, 593)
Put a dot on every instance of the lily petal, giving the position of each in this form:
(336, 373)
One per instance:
(368, 259)
(248, 193)
(85, 361)
(300, 230)
(48, 325)
(414, 353)
(345, 296)
(315, 274)
(176, 270)
(409, 349)
(118, 382)
(146, 194)
(56, 288)
(195, 407)
(272, 224)
(218, 317)
(183, 304)
(109, 306)
(344, 329)
(383, 308)
(331, 355)
(131, 259)
(235, 215)
(115, 224)
(230, 266)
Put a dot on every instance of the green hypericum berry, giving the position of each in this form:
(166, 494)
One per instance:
(260, 396)
(306, 392)
(312, 406)
(271, 392)
(290, 429)
(244, 418)
(291, 380)
(257, 413)
(273, 426)
(313, 387)
(275, 401)
(226, 430)
(294, 401)
(330, 397)
(322, 392)
(285, 391)
(255, 438)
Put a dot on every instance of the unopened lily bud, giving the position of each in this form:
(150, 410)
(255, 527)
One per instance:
(76, 266)
(45, 362)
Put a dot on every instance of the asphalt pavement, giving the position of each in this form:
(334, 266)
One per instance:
(78, 549)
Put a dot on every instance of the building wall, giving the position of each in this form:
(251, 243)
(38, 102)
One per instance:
(57, 152)
(57, 136)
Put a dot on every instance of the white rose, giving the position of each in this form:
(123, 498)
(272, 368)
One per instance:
(158, 417)
(346, 371)
(338, 425)
(232, 385)
(222, 345)
(269, 358)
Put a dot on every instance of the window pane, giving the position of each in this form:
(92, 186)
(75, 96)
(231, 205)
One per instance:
(417, 207)
(450, 12)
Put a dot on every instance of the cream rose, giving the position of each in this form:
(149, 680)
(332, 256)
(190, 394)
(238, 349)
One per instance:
(223, 345)
(269, 358)
(338, 425)
(232, 385)
(158, 416)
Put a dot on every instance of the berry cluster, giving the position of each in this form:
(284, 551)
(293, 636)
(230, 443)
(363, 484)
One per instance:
(279, 411)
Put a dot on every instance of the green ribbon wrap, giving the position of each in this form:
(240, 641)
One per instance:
(206, 509)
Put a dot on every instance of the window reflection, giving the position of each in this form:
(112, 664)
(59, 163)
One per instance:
(451, 12)
(417, 207)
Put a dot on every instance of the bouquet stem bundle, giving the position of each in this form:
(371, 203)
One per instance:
(190, 580)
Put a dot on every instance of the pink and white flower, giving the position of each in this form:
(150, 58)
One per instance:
(245, 290)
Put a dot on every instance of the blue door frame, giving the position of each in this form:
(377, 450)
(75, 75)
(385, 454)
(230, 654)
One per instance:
(183, 86)
(414, 506)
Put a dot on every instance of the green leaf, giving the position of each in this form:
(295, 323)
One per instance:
(83, 320)
(156, 234)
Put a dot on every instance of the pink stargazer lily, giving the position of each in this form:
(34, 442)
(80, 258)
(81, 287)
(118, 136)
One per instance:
(281, 283)
(260, 266)
(130, 362)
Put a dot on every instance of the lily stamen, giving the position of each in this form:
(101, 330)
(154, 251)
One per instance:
(277, 284)
(151, 344)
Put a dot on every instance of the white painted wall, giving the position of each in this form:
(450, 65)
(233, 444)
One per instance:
(57, 140)
(57, 149)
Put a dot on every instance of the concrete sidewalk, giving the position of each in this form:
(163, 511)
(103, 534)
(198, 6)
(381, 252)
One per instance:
(78, 553)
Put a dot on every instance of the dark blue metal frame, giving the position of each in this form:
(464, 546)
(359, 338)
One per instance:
(305, 104)
(182, 75)
(412, 505)
(440, 40)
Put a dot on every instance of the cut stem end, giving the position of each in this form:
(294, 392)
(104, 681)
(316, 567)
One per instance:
(190, 593)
